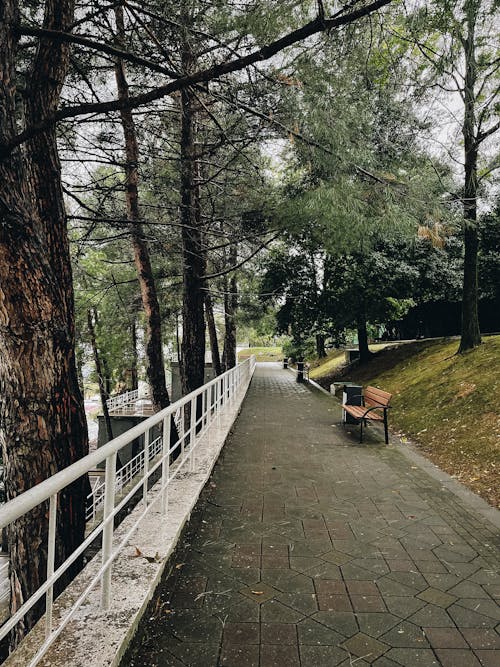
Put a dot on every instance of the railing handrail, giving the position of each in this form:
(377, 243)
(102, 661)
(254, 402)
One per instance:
(25, 502)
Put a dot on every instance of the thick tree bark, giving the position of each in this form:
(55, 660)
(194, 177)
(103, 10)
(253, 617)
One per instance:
(470, 334)
(230, 306)
(42, 418)
(212, 332)
(364, 350)
(154, 352)
(193, 257)
(104, 394)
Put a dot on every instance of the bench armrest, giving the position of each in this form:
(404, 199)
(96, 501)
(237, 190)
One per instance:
(377, 407)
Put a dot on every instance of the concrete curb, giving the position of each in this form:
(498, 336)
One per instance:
(98, 638)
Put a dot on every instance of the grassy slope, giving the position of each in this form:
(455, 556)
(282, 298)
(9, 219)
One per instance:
(447, 404)
(322, 367)
(262, 353)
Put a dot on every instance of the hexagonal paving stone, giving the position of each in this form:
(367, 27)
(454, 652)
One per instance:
(275, 612)
(272, 655)
(241, 633)
(375, 624)
(455, 657)
(259, 593)
(313, 633)
(466, 618)
(364, 646)
(321, 656)
(413, 657)
(489, 658)
(482, 638)
(336, 557)
(445, 638)
(241, 655)
(278, 633)
(437, 597)
(431, 616)
(406, 635)
(344, 623)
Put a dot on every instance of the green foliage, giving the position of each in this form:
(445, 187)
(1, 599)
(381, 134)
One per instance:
(489, 255)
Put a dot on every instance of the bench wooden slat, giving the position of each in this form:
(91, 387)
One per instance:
(374, 395)
(358, 412)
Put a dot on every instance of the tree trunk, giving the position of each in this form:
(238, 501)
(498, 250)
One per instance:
(212, 331)
(42, 418)
(230, 306)
(134, 373)
(193, 257)
(154, 352)
(364, 350)
(470, 334)
(104, 394)
(105, 372)
(320, 346)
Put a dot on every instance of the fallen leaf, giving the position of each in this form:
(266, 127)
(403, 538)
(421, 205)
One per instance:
(179, 565)
(258, 592)
(138, 553)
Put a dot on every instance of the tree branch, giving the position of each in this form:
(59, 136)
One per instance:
(309, 29)
(58, 36)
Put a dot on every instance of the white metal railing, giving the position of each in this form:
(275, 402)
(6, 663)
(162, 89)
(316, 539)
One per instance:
(126, 399)
(4, 581)
(95, 499)
(203, 407)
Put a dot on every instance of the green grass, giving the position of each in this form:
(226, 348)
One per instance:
(322, 367)
(262, 353)
(446, 403)
(328, 365)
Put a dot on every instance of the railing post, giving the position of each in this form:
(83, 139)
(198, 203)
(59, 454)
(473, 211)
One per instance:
(217, 401)
(107, 534)
(203, 410)
(146, 467)
(51, 554)
(165, 465)
(192, 434)
(182, 431)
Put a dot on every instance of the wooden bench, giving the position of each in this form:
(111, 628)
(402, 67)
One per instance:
(374, 402)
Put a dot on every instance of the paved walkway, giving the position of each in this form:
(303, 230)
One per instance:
(309, 549)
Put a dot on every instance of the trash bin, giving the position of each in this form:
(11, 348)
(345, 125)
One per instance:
(300, 371)
(351, 395)
(285, 362)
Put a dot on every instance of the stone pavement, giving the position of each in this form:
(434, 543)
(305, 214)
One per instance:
(310, 549)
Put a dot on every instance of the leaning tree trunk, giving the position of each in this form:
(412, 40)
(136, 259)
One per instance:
(470, 334)
(193, 256)
(212, 332)
(42, 418)
(154, 353)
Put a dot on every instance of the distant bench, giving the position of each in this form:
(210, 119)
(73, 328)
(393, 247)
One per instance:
(374, 401)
